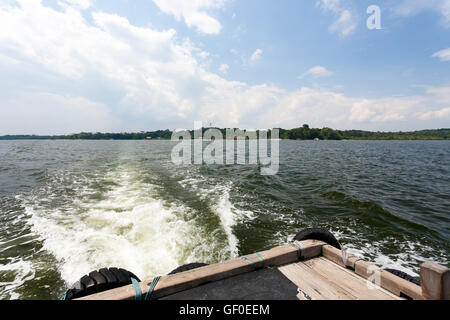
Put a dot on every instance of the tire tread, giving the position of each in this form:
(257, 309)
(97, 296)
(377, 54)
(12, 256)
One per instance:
(99, 281)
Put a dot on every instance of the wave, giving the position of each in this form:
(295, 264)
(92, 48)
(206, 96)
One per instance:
(370, 208)
(216, 192)
(128, 226)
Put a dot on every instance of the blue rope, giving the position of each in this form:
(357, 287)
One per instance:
(63, 297)
(299, 250)
(262, 259)
(137, 289)
(253, 262)
(152, 287)
(248, 259)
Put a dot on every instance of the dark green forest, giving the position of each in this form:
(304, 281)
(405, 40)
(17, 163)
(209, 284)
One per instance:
(301, 133)
(307, 133)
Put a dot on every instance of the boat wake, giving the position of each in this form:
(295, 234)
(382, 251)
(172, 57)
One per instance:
(118, 219)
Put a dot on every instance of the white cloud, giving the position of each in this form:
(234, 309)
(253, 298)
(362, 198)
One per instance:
(204, 54)
(317, 72)
(323, 107)
(224, 68)
(444, 55)
(150, 68)
(443, 113)
(442, 94)
(409, 8)
(345, 25)
(48, 113)
(82, 4)
(347, 20)
(331, 5)
(194, 13)
(160, 80)
(256, 55)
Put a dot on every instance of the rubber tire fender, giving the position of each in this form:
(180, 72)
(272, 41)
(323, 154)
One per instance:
(403, 275)
(188, 267)
(100, 281)
(318, 234)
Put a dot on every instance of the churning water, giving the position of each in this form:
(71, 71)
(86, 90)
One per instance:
(70, 207)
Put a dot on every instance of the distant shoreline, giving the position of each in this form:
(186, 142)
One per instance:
(155, 140)
(302, 133)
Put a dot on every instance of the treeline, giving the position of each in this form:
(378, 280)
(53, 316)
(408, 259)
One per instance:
(438, 134)
(302, 133)
(158, 135)
(307, 133)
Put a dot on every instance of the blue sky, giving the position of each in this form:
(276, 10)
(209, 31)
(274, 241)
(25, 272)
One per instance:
(129, 65)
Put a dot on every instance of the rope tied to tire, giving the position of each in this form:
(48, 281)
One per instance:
(248, 259)
(254, 263)
(262, 259)
(152, 287)
(138, 290)
(299, 250)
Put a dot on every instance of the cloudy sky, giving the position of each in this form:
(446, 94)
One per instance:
(128, 65)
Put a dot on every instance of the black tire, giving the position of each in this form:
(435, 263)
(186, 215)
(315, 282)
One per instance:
(318, 234)
(99, 281)
(187, 267)
(403, 275)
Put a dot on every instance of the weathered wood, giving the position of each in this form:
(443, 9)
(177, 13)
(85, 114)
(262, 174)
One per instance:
(435, 281)
(313, 284)
(327, 277)
(333, 254)
(339, 257)
(349, 281)
(171, 284)
(400, 287)
(386, 280)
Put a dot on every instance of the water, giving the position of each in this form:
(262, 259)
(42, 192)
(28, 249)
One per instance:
(70, 207)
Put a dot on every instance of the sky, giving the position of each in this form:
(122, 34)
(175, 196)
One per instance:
(68, 66)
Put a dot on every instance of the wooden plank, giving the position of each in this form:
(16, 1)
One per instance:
(333, 254)
(386, 280)
(171, 284)
(435, 281)
(349, 281)
(396, 285)
(340, 257)
(314, 284)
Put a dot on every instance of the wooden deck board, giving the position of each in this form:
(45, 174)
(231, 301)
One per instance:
(313, 284)
(322, 279)
(349, 280)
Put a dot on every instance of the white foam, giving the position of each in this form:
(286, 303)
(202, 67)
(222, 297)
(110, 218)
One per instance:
(130, 228)
(219, 192)
(224, 208)
(407, 260)
(23, 271)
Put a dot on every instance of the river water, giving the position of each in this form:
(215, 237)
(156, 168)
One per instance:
(71, 207)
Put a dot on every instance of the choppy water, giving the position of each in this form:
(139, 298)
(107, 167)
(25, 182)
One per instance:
(70, 207)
